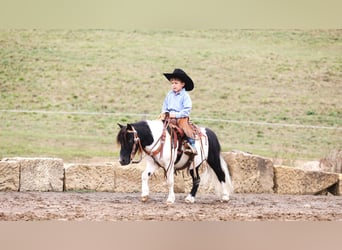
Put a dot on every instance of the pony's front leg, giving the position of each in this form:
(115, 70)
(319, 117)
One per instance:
(171, 181)
(149, 170)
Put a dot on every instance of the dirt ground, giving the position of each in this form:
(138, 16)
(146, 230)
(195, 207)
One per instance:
(98, 206)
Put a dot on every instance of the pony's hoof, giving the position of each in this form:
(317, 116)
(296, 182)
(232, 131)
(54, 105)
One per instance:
(144, 198)
(190, 199)
(225, 198)
(170, 201)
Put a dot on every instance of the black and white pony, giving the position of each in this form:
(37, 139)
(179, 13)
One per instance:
(146, 136)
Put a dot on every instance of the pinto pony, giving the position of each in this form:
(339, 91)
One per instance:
(150, 137)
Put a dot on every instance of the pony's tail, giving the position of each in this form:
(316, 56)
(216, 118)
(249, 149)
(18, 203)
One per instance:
(218, 172)
(209, 179)
(228, 183)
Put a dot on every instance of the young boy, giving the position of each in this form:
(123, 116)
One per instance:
(178, 104)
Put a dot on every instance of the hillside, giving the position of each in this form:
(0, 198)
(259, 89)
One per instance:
(270, 92)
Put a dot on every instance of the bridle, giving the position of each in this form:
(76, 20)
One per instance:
(137, 147)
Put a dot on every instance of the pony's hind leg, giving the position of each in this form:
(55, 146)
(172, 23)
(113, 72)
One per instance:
(195, 184)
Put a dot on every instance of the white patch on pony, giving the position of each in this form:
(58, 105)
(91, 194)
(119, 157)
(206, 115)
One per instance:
(156, 127)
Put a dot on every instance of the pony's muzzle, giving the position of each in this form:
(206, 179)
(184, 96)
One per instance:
(124, 162)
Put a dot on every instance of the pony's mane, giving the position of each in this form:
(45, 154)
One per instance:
(121, 137)
(143, 130)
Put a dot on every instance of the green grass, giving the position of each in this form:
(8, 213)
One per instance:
(275, 76)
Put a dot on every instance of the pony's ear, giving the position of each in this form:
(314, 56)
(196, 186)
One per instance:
(129, 126)
(121, 126)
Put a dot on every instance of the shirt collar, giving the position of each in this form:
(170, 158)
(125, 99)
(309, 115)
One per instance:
(180, 92)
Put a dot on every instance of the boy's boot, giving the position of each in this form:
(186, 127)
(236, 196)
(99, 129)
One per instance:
(190, 148)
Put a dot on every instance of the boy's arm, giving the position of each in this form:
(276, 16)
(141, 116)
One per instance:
(187, 105)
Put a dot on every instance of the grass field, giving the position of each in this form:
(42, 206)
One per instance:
(268, 76)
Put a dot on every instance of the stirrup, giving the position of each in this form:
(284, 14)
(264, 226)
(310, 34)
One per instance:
(190, 150)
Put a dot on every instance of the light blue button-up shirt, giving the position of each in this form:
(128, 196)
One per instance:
(178, 103)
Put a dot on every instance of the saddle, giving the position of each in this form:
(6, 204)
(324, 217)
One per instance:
(180, 129)
(177, 135)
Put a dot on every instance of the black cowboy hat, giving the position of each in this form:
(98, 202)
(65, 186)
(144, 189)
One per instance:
(181, 75)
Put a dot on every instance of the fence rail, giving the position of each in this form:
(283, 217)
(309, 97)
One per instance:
(155, 115)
